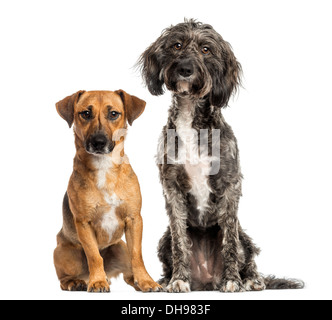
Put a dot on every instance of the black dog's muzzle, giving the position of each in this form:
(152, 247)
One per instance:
(185, 68)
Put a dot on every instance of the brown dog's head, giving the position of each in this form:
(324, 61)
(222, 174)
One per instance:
(98, 116)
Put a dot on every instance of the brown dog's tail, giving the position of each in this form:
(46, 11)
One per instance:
(272, 283)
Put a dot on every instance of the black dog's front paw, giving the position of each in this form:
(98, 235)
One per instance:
(232, 286)
(178, 286)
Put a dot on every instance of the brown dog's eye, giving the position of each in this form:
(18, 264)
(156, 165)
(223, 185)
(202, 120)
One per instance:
(86, 115)
(113, 115)
(205, 50)
(178, 46)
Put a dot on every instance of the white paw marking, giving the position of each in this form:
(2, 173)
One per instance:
(232, 286)
(178, 286)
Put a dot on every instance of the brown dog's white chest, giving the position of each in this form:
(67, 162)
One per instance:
(108, 219)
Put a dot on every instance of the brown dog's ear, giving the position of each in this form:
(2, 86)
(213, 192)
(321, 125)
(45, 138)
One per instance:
(65, 107)
(134, 106)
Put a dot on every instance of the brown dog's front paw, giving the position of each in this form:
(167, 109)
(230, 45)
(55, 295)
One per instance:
(148, 285)
(99, 286)
(74, 285)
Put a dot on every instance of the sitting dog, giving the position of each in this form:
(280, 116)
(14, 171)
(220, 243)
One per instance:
(103, 199)
(204, 247)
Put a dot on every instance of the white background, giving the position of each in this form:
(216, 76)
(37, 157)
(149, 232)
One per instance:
(282, 119)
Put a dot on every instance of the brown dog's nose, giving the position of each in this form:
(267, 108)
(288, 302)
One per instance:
(99, 142)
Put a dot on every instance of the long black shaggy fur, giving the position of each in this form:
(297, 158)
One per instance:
(204, 247)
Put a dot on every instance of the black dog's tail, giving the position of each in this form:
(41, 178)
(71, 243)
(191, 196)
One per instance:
(272, 282)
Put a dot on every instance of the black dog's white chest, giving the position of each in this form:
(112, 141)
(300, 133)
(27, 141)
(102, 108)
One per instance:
(196, 162)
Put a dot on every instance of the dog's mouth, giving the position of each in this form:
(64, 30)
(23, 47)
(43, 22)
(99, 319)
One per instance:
(183, 86)
(95, 152)
(193, 85)
(180, 85)
(189, 87)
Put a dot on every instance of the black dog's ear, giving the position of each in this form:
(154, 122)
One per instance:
(66, 106)
(151, 66)
(227, 79)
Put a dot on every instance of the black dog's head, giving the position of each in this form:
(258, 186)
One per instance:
(191, 58)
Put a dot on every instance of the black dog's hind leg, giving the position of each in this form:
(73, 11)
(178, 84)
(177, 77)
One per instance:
(229, 224)
(251, 279)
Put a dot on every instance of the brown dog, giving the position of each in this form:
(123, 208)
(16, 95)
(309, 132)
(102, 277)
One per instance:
(103, 199)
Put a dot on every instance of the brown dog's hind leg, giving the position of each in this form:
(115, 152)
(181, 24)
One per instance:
(71, 267)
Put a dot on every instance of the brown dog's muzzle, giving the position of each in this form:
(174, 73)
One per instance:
(99, 143)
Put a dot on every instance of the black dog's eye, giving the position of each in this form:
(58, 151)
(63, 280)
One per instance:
(86, 115)
(113, 115)
(178, 46)
(205, 50)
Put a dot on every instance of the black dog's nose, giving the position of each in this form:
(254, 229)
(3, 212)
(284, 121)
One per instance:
(185, 69)
(99, 142)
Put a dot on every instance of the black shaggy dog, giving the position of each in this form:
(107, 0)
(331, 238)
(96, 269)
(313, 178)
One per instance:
(204, 247)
